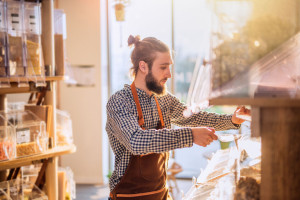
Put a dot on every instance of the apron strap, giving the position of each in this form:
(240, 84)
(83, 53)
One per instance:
(160, 113)
(138, 106)
(139, 109)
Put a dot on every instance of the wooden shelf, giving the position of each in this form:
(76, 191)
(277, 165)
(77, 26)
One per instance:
(28, 160)
(26, 79)
(14, 88)
(265, 102)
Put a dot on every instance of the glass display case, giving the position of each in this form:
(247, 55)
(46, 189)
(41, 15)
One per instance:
(30, 131)
(254, 50)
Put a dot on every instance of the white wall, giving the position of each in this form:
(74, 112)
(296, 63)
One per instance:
(84, 103)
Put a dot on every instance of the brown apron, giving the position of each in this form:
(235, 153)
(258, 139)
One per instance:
(145, 176)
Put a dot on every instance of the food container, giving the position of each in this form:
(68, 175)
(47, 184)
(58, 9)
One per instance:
(7, 140)
(30, 131)
(32, 24)
(15, 39)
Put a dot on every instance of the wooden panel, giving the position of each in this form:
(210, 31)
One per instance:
(280, 131)
(255, 124)
(266, 102)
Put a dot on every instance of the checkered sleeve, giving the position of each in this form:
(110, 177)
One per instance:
(203, 118)
(126, 129)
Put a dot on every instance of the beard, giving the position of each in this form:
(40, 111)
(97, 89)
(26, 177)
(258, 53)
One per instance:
(153, 85)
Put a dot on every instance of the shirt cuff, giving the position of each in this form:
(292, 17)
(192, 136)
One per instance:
(185, 137)
(231, 124)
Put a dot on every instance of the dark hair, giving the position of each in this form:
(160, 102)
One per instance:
(144, 50)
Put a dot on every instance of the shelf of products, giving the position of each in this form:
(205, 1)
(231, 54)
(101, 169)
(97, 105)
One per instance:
(31, 23)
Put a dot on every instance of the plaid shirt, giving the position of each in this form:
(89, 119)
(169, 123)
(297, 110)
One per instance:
(127, 138)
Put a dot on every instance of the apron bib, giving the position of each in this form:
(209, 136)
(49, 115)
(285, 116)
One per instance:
(145, 176)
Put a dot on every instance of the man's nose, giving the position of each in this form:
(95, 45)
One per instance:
(169, 75)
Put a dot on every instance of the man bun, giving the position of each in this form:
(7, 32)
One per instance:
(133, 40)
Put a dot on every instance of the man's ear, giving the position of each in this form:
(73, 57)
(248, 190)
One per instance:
(143, 66)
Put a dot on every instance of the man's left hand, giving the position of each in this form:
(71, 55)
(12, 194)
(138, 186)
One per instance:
(241, 110)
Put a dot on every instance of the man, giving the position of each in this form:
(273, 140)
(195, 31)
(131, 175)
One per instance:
(139, 121)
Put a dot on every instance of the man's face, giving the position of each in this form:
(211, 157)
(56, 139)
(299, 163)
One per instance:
(160, 72)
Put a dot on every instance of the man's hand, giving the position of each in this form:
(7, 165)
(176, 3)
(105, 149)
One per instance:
(203, 136)
(240, 110)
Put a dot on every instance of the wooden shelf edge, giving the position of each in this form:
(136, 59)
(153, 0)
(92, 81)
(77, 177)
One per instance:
(28, 79)
(18, 162)
(261, 102)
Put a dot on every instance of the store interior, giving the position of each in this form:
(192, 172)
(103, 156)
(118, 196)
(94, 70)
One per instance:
(61, 61)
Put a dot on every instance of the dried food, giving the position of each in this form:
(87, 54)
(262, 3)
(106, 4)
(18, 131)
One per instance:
(29, 148)
(247, 189)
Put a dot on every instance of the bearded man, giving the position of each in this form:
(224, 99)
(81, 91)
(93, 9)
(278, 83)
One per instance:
(139, 119)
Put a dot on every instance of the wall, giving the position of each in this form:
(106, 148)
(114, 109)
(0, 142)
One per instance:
(84, 103)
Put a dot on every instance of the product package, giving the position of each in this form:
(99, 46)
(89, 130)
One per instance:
(31, 135)
(17, 189)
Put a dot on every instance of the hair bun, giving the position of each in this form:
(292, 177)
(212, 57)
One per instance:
(133, 40)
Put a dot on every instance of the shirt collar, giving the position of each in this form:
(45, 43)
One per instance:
(139, 91)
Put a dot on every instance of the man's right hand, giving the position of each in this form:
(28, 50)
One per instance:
(203, 136)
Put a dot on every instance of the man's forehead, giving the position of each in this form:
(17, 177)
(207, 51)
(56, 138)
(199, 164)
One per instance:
(163, 58)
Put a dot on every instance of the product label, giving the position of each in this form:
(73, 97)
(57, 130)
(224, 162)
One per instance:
(23, 135)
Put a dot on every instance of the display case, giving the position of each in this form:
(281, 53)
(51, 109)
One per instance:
(18, 189)
(30, 131)
(254, 51)
(255, 48)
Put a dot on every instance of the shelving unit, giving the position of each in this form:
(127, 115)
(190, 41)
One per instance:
(277, 121)
(50, 99)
